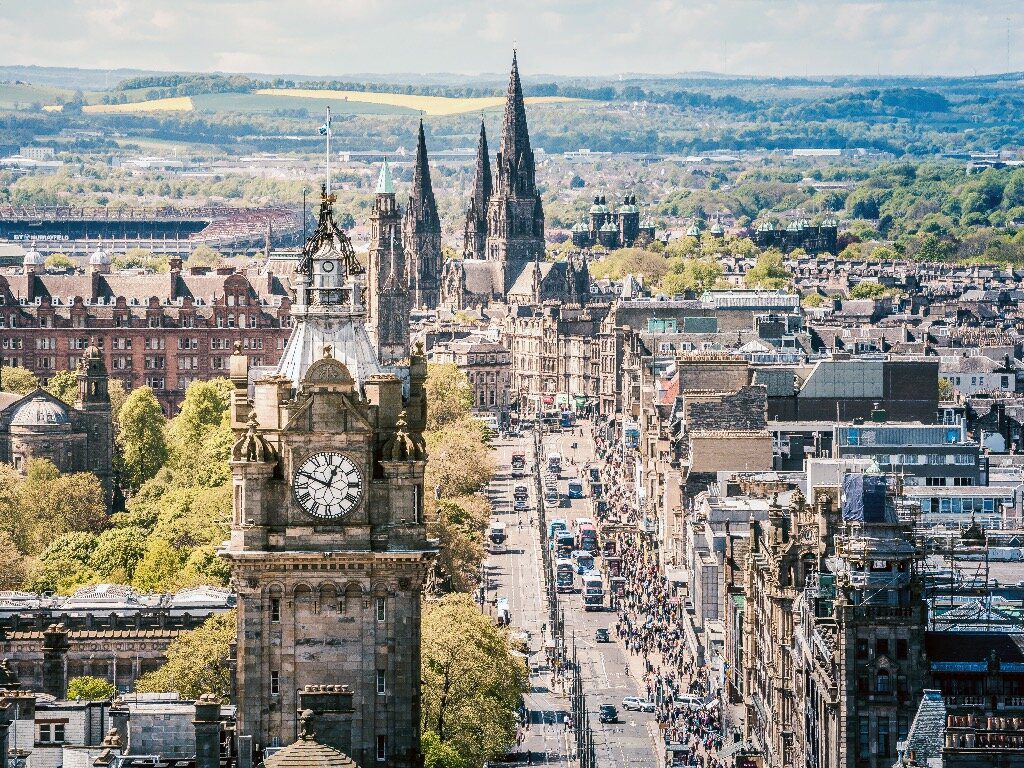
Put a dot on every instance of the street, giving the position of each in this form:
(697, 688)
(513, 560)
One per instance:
(608, 672)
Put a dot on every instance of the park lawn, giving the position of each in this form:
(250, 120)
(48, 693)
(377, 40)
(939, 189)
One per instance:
(429, 105)
(174, 104)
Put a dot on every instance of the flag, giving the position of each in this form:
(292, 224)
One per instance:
(324, 129)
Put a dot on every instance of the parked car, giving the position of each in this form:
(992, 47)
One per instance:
(629, 703)
(521, 505)
(602, 635)
(607, 713)
(645, 705)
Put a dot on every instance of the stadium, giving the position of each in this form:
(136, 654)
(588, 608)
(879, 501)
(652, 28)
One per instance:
(80, 230)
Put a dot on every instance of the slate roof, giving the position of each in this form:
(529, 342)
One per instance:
(307, 752)
(926, 737)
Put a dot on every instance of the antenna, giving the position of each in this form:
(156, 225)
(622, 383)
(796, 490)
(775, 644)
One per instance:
(328, 149)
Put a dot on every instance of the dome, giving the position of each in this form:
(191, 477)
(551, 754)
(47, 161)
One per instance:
(40, 411)
(33, 259)
(99, 259)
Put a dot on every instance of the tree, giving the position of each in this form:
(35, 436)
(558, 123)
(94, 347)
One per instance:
(768, 272)
(449, 395)
(64, 385)
(88, 688)
(437, 754)
(945, 389)
(459, 527)
(12, 564)
(142, 449)
(868, 289)
(118, 552)
(458, 461)
(63, 566)
(204, 256)
(813, 300)
(59, 262)
(472, 682)
(115, 390)
(197, 661)
(50, 505)
(18, 380)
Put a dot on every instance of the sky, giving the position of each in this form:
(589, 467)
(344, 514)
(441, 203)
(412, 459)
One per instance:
(560, 37)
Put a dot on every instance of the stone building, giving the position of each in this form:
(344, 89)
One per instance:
(814, 239)
(833, 629)
(622, 228)
(104, 630)
(76, 438)
(158, 330)
(421, 230)
(328, 549)
(474, 241)
(488, 366)
(387, 290)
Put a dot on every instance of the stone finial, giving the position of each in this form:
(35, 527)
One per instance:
(112, 739)
(238, 347)
(328, 350)
(252, 446)
(306, 724)
(402, 446)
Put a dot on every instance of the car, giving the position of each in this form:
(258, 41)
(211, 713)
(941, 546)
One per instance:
(629, 703)
(688, 700)
(521, 505)
(607, 713)
(645, 705)
(602, 635)
(521, 492)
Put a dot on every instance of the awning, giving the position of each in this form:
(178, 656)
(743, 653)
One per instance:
(676, 575)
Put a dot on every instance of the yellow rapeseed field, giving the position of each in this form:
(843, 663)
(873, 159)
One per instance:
(175, 104)
(430, 105)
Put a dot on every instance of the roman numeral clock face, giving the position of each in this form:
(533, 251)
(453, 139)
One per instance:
(328, 485)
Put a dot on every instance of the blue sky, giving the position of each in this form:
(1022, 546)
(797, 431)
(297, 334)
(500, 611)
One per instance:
(563, 37)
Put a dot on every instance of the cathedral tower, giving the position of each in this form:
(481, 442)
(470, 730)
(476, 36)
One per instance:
(422, 232)
(515, 216)
(475, 239)
(328, 549)
(387, 285)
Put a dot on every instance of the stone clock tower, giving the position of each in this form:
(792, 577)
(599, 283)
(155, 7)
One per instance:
(328, 548)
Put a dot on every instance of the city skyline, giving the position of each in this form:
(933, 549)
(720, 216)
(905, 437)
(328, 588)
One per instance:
(736, 37)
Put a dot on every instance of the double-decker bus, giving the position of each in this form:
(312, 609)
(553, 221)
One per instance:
(593, 591)
(565, 580)
(518, 463)
(588, 538)
(496, 539)
(583, 561)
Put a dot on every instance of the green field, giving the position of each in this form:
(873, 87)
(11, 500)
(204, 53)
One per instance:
(20, 96)
(255, 102)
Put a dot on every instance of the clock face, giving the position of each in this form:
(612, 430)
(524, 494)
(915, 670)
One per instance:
(328, 266)
(328, 485)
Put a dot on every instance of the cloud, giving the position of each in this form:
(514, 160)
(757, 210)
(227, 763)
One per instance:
(563, 37)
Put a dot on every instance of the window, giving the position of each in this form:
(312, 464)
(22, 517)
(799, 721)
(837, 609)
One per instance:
(51, 733)
(883, 737)
(902, 651)
(275, 610)
(154, 383)
(275, 683)
(882, 683)
(864, 736)
(882, 647)
(862, 648)
(382, 687)
(381, 609)
(382, 748)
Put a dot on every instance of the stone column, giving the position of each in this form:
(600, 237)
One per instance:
(207, 725)
(55, 655)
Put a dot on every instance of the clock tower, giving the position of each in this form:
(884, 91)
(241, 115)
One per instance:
(328, 548)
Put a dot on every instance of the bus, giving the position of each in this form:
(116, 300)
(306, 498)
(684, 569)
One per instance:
(564, 543)
(588, 538)
(593, 591)
(557, 524)
(554, 463)
(518, 463)
(583, 561)
(565, 420)
(496, 539)
(575, 489)
(565, 580)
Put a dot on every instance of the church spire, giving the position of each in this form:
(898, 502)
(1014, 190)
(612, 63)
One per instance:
(515, 165)
(421, 232)
(475, 236)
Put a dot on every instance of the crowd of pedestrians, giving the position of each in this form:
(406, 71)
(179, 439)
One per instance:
(648, 626)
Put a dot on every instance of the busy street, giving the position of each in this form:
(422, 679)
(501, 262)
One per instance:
(646, 702)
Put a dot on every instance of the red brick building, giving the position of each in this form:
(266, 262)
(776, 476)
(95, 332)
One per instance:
(158, 330)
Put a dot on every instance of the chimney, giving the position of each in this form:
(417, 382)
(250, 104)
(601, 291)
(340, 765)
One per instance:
(55, 656)
(207, 725)
(331, 722)
(119, 715)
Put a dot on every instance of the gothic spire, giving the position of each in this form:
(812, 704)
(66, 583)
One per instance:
(422, 200)
(515, 167)
(482, 182)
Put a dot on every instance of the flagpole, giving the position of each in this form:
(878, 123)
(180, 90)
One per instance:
(328, 149)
